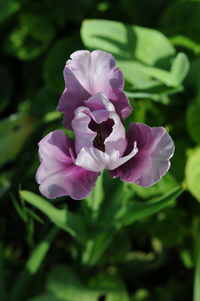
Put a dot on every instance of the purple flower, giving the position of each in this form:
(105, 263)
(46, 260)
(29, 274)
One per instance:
(71, 167)
(88, 73)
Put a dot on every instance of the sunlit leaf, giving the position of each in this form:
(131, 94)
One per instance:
(140, 210)
(32, 266)
(62, 218)
(192, 173)
(63, 283)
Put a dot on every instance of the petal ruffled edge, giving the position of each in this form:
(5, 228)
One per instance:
(57, 173)
(155, 148)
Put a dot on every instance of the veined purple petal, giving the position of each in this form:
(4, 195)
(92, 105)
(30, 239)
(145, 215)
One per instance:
(155, 148)
(57, 173)
(88, 73)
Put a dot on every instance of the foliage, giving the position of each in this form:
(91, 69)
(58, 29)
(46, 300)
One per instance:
(124, 242)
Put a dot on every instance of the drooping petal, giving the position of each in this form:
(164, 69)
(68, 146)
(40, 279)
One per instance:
(88, 73)
(95, 160)
(57, 173)
(155, 148)
(92, 159)
(72, 97)
(99, 101)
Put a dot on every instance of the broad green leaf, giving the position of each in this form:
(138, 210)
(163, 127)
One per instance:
(136, 49)
(7, 8)
(160, 96)
(177, 73)
(140, 210)
(193, 121)
(180, 68)
(125, 41)
(192, 173)
(32, 266)
(14, 131)
(62, 218)
(63, 283)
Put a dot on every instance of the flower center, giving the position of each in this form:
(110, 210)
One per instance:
(103, 130)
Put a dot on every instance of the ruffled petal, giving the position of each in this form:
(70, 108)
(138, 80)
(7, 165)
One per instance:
(155, 148)
(88, 73)
(57, 173)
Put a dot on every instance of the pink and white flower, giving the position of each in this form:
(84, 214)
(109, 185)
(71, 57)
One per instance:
(71, 167)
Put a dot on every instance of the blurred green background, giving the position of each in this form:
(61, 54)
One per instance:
(121, 256)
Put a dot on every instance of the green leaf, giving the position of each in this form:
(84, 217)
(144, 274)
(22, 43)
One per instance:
(157, 97)
(14, 131)
(95, 198)
(140, 210)
(32, 266)
(183, 41)
(166, 184)
(180, 68)
(109, 286)
(63, 283)
(62, 218)
(136, 49)
(192, 173)
(96, 245)
(125, 41)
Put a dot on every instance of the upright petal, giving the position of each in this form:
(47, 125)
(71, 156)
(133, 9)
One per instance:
(117, 139)
(57, 173)
(88, 73)
(155, 148)
(72, 97)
